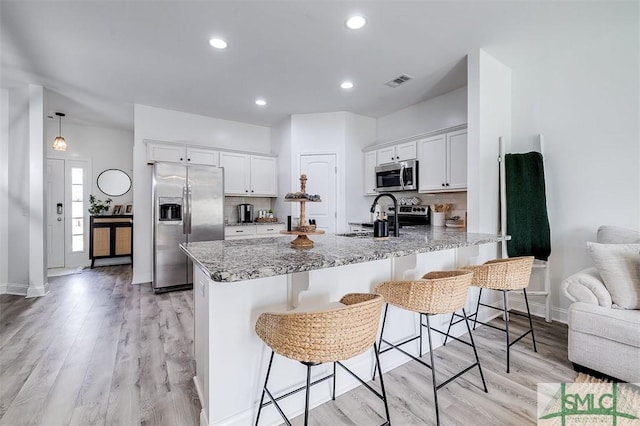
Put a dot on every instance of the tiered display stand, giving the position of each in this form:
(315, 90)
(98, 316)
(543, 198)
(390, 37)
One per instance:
(302, 241)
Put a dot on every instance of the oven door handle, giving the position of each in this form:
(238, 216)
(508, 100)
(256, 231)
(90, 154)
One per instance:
(402, 175)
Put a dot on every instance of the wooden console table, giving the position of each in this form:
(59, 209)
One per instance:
(110, 236)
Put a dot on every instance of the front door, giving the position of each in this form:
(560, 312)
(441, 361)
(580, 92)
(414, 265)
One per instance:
(321, 179)
(55, 213)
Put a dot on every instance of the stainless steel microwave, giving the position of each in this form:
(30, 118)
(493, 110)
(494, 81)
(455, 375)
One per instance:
(401, 176)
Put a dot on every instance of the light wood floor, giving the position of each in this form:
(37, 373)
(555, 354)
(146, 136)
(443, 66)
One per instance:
(98, 350)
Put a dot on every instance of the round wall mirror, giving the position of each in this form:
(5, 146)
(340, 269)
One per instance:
(114, 182)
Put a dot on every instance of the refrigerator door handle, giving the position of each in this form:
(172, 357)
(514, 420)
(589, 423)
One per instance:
(184, 209)
(189, 208)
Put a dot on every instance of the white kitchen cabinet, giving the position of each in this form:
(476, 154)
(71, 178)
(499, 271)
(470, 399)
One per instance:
(181, 154)
(443, 162)
(249, 175)
(239, 232)
(207, 157)
(166, 153)
(253, 231)
(370, 173)
(395, 153)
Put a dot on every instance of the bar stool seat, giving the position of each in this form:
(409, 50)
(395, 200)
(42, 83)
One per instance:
(440, 292)
(502, 275)
(334, 334)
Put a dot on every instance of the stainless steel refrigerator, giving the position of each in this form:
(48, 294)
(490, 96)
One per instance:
(187, 207)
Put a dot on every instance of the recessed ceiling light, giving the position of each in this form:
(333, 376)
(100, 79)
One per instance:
(218, 43)
(356, 22)
(261, 102)
(346, 85)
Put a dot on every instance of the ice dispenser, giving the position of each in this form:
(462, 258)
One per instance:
(170, 209)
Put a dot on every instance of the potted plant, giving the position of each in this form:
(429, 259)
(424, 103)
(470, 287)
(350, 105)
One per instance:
(96, 207)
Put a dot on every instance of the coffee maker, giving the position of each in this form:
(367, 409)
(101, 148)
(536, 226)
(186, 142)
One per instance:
(245, 213)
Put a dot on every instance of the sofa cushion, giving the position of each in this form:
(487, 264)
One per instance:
(619, 266)
(608, 234)
(619, 325)
(587, 286)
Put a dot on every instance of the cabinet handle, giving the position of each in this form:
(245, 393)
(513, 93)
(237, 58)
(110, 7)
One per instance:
(252, 190)
(269, 229)
(246, 190)
(239, 231)
(443, 184)
(181, 158)
(188, 159)
(447, 183)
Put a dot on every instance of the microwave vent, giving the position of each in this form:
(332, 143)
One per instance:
(401, 79)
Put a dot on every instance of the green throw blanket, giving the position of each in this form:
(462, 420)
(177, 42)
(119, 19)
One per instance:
(527, 220)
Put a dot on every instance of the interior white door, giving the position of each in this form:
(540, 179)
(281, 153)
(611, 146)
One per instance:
(321, 179)
(56, 207)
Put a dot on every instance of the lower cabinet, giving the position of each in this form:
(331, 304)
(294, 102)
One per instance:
(253, 231)
(110, 236)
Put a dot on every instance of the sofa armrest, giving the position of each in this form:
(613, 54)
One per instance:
(587, 286)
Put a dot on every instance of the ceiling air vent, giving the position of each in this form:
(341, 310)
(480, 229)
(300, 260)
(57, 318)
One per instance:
(401, 79)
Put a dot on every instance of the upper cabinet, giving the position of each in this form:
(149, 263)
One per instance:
(395, 153)
(370, 173)
(181, 154)
(249, 175)
(443, 162)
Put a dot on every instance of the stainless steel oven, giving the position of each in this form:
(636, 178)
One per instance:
(401, 176)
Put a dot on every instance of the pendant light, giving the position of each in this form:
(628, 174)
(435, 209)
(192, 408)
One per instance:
(59, 144)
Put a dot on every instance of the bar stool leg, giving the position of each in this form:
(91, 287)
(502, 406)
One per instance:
(533, 337)
(306, 399)
(475, 316)
(433, 372)
(453, 315)
(333, 392)
(384, 321)
(506, 323)
(384, 393)
(420, 340)
(475, 352)
(264, 388)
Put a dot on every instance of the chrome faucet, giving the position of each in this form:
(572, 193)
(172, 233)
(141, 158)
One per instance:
(396, 227)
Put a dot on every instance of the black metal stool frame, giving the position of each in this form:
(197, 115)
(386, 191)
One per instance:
(274, 400)
(505, 314)
(436, 387)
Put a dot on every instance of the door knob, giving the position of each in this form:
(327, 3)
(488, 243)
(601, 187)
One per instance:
(59, 219)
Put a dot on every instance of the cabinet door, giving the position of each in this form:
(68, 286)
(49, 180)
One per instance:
(205, 157)
(370, 173)
(239, 232)
(406, 151)
(432, 161)
(457, 160)
(236, 173)
(386, 155)
(165, 153)
(264, 176)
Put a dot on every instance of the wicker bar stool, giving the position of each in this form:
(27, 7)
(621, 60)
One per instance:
(314, 338)
(502, 275)
(441, 292)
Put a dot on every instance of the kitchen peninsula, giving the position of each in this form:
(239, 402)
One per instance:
(235, 281)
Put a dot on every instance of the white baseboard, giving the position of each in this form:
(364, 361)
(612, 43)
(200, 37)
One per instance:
(14, 289)
(516, 302)
(38, 291)
(144, 278)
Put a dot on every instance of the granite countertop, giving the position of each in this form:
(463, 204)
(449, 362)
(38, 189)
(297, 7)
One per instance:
(240, 260)
(254, 223)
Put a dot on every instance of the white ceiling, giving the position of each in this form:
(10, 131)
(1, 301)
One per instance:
(98, 58)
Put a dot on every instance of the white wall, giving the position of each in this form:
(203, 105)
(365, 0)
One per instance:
(281, 143)
(103, 148)
(489, 92)
(174, 126)
(4, 187)
(22, 233)
(18, 194)
(360, 131)
(585, 102)
(441, 112)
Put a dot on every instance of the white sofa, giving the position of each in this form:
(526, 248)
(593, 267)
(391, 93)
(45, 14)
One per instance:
(603, 337)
